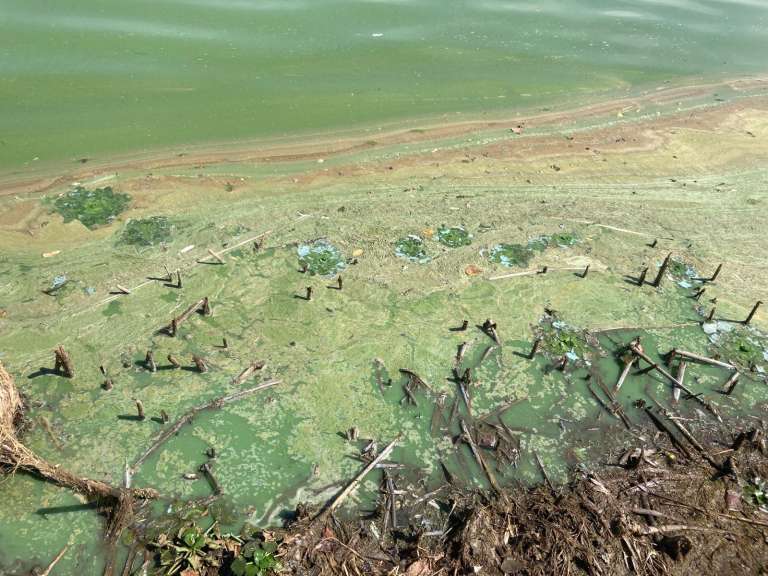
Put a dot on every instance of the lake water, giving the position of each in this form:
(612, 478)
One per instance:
(95, 79)
(90, 78)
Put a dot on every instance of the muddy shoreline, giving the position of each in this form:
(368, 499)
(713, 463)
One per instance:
(322, 148)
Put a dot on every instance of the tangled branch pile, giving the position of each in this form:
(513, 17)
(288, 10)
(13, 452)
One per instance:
(651, 514)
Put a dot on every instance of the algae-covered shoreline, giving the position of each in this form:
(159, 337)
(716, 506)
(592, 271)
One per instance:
(618, 198)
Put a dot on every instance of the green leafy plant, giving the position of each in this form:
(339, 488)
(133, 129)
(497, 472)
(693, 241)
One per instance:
(321, 258)
(412, 248)
(192, 548)
(454, 236)
(93, 208)
(756, 492)
(744, 348)
(257, 559)
(510, 255)
(564, 239)
(147, 231)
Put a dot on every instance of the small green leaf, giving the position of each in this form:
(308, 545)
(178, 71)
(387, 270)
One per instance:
(238, 566)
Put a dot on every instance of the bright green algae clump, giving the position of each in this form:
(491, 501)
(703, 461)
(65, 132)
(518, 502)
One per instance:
(561, 339)
(520, 255)
(454, 236)
(742, 346)
(510, 255)
(93, 208)
(412, 248)
(321, 258)
(147, 231)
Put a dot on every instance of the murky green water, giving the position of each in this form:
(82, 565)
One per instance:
(287, 444)
(90, 78)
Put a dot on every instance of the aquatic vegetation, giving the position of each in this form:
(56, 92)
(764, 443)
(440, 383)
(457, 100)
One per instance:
(256, 559)
(412, 248)
(682, 272)
(93, 208)
(564, 239)
(454, 236)
(510, 255)
(560, 339)
(518, 255)
(539, 243)
(756, 493)
(744, 347)
(191, 549)
(147, 231)
(321, 258)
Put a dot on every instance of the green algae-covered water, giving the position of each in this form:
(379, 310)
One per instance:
(334, 354)
(95, 79)
(89, 78)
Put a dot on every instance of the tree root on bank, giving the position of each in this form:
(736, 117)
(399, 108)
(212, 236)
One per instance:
(14, 455)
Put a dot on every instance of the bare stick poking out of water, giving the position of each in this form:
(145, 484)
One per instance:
(352, 486)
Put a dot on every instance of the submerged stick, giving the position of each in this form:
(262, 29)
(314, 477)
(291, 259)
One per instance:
(627, 367)
(641, 279)
(543, 470)
(63, 362)
(478, 457)
(247, 373)
(681, 378)
(486, 353)
(212, 405)
(752, 312)
(662, 271)
(731, 384)
(55, 561)
(704, 359)
(339, 499)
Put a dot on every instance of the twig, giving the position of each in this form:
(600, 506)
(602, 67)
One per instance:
(476, 453)
(337, 501)
(212, 405)
(55, 561)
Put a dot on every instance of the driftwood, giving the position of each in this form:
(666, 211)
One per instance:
(681, 379)
(17, 456)
(247, 373)
(200, 305)
(186, 418)
(662, 271)
(704, 359)
(200, 364)
(627, 367)
(675, 381)
(352, 486)
(467, 437)
(731, 383)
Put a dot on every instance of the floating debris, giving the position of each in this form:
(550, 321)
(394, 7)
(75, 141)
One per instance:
(510, 255)
(565, 342)
(412, 248)
(150, 231)
(93, 208)
(321, 258)
(454, 236)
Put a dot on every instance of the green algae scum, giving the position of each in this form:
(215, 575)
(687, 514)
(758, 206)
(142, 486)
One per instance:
(258, 256)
